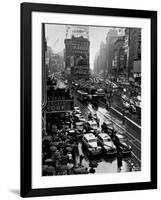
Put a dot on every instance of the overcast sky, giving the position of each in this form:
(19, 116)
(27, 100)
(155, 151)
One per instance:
(55, 35)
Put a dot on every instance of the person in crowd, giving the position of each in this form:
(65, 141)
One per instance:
(81, 159)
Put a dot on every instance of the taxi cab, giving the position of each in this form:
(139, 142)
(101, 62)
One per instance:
(90, 144)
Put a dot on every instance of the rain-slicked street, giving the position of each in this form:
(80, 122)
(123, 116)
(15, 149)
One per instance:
(91, 100)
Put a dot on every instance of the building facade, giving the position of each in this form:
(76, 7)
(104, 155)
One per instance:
(110, 40)
(132, 49)
(119, 69)
(77, 54)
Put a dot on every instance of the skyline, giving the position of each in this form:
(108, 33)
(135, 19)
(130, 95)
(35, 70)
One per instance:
(55, 35)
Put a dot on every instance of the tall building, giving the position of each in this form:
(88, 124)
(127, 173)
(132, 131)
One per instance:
(77, 53)
(133, 50)
(118, 59)
(112, 36)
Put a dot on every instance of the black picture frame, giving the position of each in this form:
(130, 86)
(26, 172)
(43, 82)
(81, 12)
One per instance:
(26, 102)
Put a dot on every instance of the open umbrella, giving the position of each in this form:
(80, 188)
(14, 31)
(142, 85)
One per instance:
(53, 148)
(55, 143)
(44, 167)
(51, 169)
(48, 138)
(63, 167)
(69, 149)
(77, 170)
(93, 164)
(48, 161)
(68, 144)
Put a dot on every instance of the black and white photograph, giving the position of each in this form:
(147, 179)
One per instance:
(88, 99)
(91, 99)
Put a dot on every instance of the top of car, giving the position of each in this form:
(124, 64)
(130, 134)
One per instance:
(120, 136)
(89, 136)
(104, 136)
(79, 123)
(91, 122)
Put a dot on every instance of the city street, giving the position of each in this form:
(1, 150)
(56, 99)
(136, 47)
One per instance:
(133, 137)
(91, 108)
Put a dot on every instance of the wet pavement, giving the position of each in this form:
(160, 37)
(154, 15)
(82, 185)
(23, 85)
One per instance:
(105, 165)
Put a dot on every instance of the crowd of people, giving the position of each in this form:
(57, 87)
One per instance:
(60, 153)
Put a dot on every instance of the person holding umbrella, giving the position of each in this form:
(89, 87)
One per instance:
(119, 159)
(81, 159)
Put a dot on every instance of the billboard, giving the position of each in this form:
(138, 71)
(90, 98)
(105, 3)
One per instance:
(62, 105)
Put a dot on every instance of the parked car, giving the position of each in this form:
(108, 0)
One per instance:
(122, 143)
(90, 144)
(107, 144)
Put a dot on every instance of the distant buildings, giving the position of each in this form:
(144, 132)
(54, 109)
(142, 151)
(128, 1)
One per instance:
(54, 61)
(120, 57)
(133, 50)
(111, 38)
(100, 60)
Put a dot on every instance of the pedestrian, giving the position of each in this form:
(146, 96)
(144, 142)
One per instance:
(119, 159)
(92, 170)
(131, 167)
(81, 158)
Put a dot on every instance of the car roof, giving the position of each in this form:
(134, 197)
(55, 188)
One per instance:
(119, 136)
(79, 123)
(104, 135)
(89, 136)
(92, 122)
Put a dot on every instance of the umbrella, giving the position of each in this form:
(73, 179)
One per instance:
(63, 167)
(50, 169)
(53, 148)
(93, 164)
(68, 144)
(44, 167)
(49, 160)
(74, 145)
(84, 171)
(48, 138)
(77, 170)
(70, 165)
(69, 149)
(55, 143)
